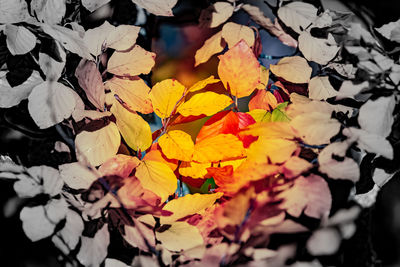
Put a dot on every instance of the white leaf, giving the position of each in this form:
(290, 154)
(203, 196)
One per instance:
(92, 5)
(348, 89)
(380, 177)
(89, 78)
(69, 39)
(27, 187)
(370, 142)
(318, 50)
(316, 128)
(12, 96)
(76, 175)
(49, 177)
(114, 263)
(51, 67)
(309, 194)
(180, 236)
(346, 169)
(19, 39)
(293, 69)
(71, 233)
(368, 199)
(50, 103)
(49, 11)
(357, 31)
(297, 15)
(376, 116)
(157, 7)
(137, 236)
(98, 146)
(13, 11)
(94, 250)
(389, 31)
(324, 242)
(320, 88)
(39, 222)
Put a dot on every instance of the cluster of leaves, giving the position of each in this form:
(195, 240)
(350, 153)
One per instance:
(215, 184)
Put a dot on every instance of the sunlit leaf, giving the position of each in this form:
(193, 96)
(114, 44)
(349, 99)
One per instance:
(193, 169)
(224, 122)
(177, 144)
(121, 165)
(180, 236)
(210, 47)
(207, 103)
(239, 70)
(165, 95)
(135, 130)
(276, 150)
(157, 177)
(203, 83)
(234, 33)
(293, 69)
(263, 99)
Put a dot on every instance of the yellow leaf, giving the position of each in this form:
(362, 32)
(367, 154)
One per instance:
(202, 84)
(165, 96)
(264, 77)
(270, 130)
(210, 47)
(188, 205)
(239, 70)
(260, 115)
(219, 147)
(135, 93)
(136, 61)
(98, 146)
(292, 69)
(135, 130)
(233, 33)
(180, 236)
(207, 103)
(193, 169)
(157, 177)
(177, 145)
(234, 163)
(276, 150)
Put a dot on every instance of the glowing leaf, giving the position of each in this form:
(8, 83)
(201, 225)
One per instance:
(270, 130)
(224, 122)
(260, 115)
(210, 47)
(216, 14)
(239, 70)
(165, 96)
(263, 99)
(219, 147)
(234, 33)
(276, 150)
(177, 144)
(98, 146)
(156, 7)
(292, 69)
(188, 205)
(202, 84)
(135, 130)
(134, 93)
(320, 88)
(193, 169)
(155, 154)
(136, 61)
(180, 236)
(207, 103)
(90, 80)
(157, 177)
(309, 194)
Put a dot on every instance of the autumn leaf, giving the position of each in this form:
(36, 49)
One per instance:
(260, 115)
(216, 14)
(219, 147)
(292, 69)
(188, 205)
(157, 177)
(193, 169)
(135, 130)
(180, 236)
(275, 150)
(210, 47)
(298, 15)
(224, 122)
(239, 70)
(165, 96)
(177, 144)
(155, 154)
(263, 99)
(270, 130)
(121, 165)
(234, 33)
(320, 88)
(203, 83)
(136, 61)
(207, 103)
(134, 93)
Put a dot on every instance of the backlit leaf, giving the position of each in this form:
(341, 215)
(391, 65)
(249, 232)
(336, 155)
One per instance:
(263, 99)
(207, 103)
(203, 83)
(165, 95)
(210, 47)
(239, 70)
(177, 144)
(224, 122)
(135, 130)
(136, 61)
(157, 177)
(274, 150)
(193, 169)
(234, 33)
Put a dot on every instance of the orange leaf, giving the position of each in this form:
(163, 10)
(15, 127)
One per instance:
(155, 154)
(219, 147)
(239, 70)
(177, 144)
(224, 122)
(263, 99)
(165, 96)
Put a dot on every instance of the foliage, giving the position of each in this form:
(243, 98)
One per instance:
(216, 184)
